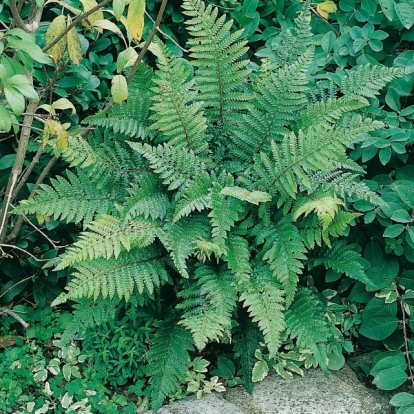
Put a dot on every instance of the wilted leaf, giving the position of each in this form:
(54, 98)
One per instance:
(55, 28)
(94, 17)
(62, 140)
(74, 44)
(55, 128)
(62, 103)
(326, 7)
(135, 18)
(108, 25)
(119, 89)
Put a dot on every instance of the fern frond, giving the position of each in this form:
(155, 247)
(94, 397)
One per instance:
(313, 235)
(278, 98)
(88, 312)
(325, 206)
(327, 112)
(216, 54)
(367, 80)
(246, 340)
(341, 258)
(107, 162)
(312, 150)
(141, 269)
(224, 213)
(176, 167)
(196, 197)
(73, 199)
(291, 44)
(285, 252)
(306, 322)
(180, 239)
(129, 118)
(264, 300)
(177, 115)
(107, 237)
(147, 199)
(343, 184)
(168, 361)
(238, 257)
(209, 316)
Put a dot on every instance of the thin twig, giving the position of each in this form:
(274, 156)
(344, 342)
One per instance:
(6, 138)
(27, 173)
(20, 125)
(17, 166)
(15, 316)
(75, 22)
(42, 176)
(165, 34)
(52, 242)
(149, 40)
(24, 251)
(4, 25)
(17, 283)
(406, 344)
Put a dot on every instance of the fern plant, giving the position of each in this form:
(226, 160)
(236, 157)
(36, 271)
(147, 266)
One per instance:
(214, 191)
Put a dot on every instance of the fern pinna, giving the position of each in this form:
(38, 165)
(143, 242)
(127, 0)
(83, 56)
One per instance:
(214, 190)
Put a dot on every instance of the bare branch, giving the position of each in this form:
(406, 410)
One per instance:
(165, 34)
(15, 316)
(149, 40)
(42, 176)
(22, 250)
(16, 16)
(17, 166)
(18, 283)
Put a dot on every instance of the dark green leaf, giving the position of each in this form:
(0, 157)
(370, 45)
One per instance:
(393, 231)
(379, 319)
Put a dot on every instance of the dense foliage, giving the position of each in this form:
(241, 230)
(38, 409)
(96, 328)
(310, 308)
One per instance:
(222, 204)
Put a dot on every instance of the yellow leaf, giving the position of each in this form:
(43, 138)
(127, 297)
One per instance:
(119, 89)
(94, 17)
(326, 7)
(55, 28)
(74, 44)
(53, 127)
(62, 140)
(47, 132)
(62, 103)
(41, 218)
(135, 18)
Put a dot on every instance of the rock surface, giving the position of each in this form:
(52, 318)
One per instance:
(338, 393)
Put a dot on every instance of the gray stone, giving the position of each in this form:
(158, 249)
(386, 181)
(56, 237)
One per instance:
(208, 404)
(339, 392)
